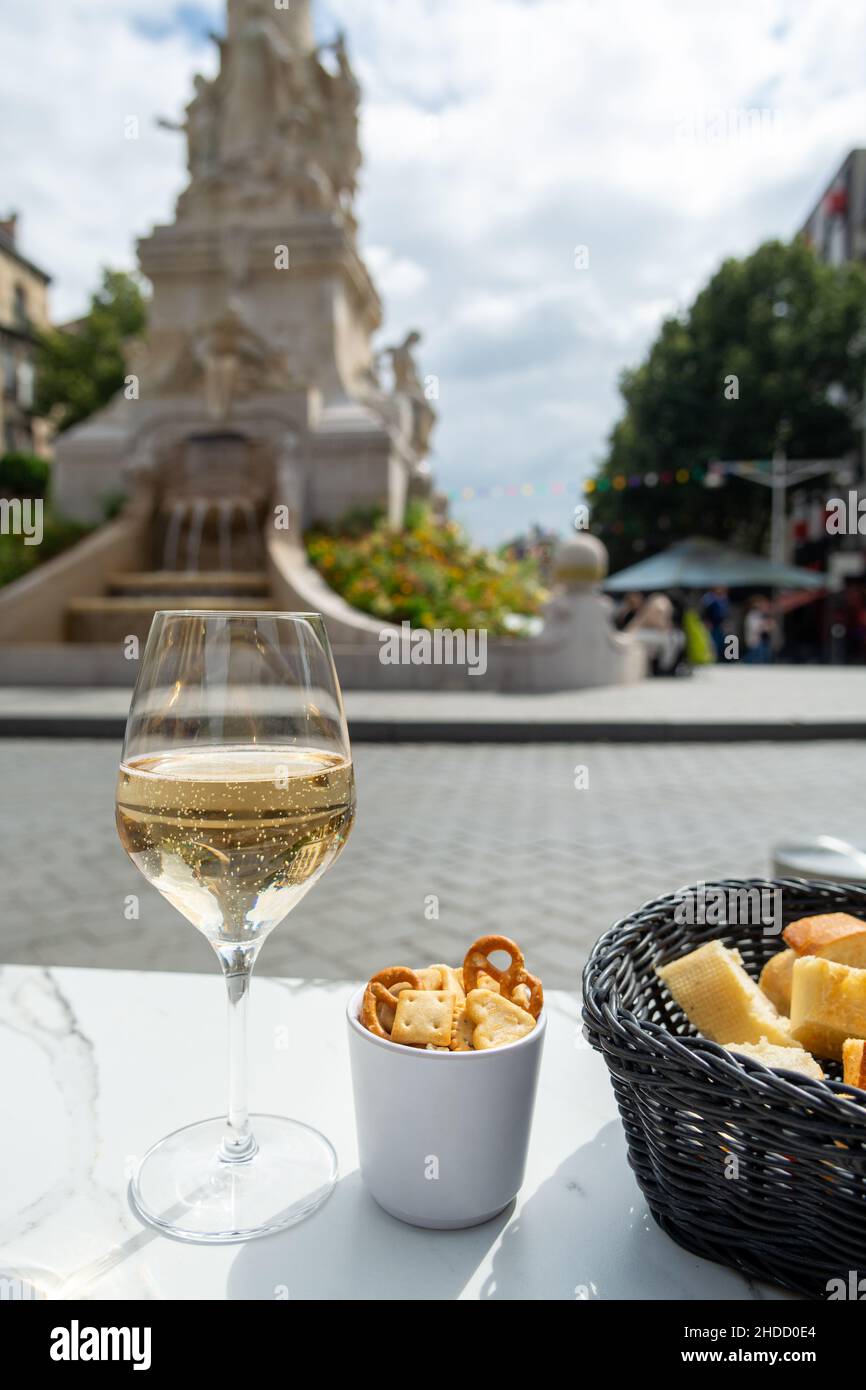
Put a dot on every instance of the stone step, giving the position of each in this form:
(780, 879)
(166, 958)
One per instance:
(107, 620)
(214, 583)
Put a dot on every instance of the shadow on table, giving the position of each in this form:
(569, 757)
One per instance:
(351, 1249)
(587, 1234)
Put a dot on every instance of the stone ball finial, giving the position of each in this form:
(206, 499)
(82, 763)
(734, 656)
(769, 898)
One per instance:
(580, 561)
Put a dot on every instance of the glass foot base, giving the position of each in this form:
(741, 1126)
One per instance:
(186, 1190)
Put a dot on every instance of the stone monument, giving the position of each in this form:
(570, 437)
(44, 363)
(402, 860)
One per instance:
(256, 393)
(258, 353)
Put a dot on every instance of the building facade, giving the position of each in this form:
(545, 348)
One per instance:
(836, 226)
(836, 625)
(23, 313)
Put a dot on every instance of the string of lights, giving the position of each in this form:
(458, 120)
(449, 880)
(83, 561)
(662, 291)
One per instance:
(619, 483)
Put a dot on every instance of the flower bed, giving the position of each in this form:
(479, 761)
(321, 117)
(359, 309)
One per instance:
(428, 574)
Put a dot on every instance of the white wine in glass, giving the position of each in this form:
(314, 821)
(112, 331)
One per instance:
(235, 794)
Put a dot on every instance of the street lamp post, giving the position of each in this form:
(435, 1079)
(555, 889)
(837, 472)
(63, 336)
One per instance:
(779, 474)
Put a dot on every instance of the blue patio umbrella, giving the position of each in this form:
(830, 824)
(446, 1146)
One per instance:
(704, 564)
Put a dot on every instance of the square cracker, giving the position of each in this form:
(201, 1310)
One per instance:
(424, 1016)
(452, 980)
(442, 977)
(431, 977)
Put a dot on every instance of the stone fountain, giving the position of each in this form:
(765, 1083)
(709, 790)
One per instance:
(255, 399)
(254, 405)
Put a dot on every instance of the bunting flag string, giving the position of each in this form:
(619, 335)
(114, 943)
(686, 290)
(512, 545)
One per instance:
(591, 486)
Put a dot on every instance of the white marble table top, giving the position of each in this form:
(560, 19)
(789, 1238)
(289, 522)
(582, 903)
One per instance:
(96, 1065)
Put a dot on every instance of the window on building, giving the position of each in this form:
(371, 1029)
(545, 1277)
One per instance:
(26, 383)
(10, 374)
(22, 315)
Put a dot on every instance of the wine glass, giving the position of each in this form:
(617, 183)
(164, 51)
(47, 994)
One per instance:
(235, 794)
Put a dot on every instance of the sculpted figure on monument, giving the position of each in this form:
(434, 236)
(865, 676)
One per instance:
(224, 358)
(346, 101)
(234, 361)
(347, 74)
(258, 83)
(201, 128)
(406, 378)
(274, 158)
(277, 126)
(407, 382)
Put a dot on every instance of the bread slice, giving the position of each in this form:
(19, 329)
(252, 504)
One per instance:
(834, 936)
(828, 1005)
(721, 999)
(777, 977)
(789, 1058)
(854, 1060)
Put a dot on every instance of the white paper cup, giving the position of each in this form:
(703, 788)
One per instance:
(442, 1136)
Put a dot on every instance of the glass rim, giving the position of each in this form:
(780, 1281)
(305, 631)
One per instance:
(232, 613)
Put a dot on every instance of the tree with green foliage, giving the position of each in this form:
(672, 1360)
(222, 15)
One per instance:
(772, 350)
(79, 369)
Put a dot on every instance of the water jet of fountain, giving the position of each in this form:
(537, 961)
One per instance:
(248, 512)
(226, 512)
(193, 544)
(172, 536)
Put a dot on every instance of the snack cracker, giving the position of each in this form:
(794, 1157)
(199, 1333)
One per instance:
(429, 1008)
(424, 1017)
(497, 1021)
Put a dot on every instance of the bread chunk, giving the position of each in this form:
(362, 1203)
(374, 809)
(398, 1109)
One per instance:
(721, 1000)
(854, 1061)
(828, 1005)
(789, 1058)
(834, 936)
(777, 978)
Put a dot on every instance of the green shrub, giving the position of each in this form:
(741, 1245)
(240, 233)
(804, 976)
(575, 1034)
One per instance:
(59, 534)
(113, 504)
(24, 475)
(428, 574)
(18, 559)
(355, 523)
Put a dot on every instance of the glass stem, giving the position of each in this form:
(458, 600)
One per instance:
(239, 1144)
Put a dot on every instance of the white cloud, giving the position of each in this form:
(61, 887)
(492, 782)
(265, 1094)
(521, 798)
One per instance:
(73, 80)
(397, 277)
(499, 135)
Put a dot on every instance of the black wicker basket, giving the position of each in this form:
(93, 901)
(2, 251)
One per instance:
(795, 1214)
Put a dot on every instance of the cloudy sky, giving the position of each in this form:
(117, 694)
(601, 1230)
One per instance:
(500, 136)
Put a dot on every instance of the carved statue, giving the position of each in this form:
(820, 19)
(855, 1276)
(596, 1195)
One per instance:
(407, 382)
(233, 360)
(201, 128)
(341, 53)
(406, 378)
(257, 91)
(225, 359)
(334, 102)
(276, 125)
(346, 102)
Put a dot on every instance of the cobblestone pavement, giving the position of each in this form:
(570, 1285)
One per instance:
(498, 834)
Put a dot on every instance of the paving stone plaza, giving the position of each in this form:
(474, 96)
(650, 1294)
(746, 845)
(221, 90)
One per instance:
(492, 837)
